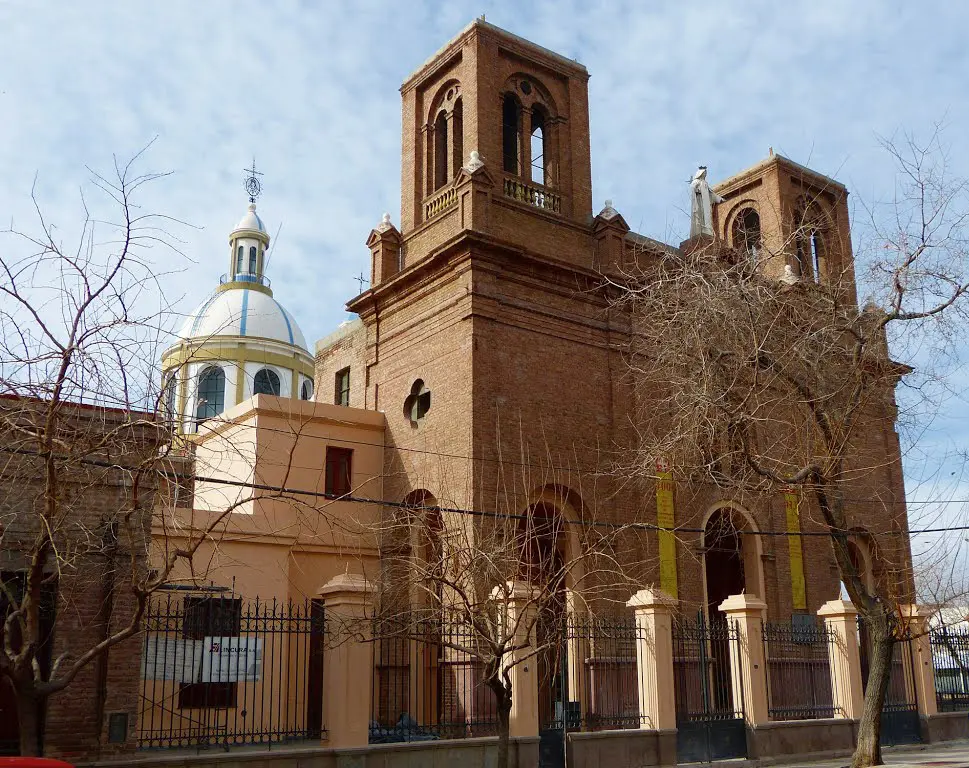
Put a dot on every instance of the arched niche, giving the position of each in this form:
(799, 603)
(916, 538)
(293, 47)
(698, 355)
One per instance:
(567, 506)
(731, 556)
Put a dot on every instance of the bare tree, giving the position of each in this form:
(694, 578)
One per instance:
(88, 458)
(762, 385)
(488, 589)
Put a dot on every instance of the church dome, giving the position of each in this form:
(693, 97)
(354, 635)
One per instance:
(251, 221)
(242, 312)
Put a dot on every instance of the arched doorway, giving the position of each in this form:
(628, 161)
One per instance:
(543, 558)
(428, 687)
(731, 558)
(731, 566)
(723, 561)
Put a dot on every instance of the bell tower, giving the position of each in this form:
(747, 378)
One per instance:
(522, 108)
(791, 220)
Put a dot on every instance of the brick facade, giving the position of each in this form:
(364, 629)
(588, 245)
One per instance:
(491, 295)
(97, 555)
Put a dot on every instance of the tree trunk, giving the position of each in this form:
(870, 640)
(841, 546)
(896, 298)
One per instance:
(503, 699)
(868, 752)
(29, 708)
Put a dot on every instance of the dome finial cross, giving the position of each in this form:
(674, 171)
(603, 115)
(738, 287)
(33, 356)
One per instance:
(253, 185)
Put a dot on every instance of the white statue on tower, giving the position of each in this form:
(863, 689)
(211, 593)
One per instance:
(702, 200)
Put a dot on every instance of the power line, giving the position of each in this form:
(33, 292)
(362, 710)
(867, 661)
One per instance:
(471, 512)
(553, 467)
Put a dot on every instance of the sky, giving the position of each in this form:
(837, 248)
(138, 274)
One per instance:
(310, 90)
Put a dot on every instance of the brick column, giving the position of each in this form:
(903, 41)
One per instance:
(515, 599)
(748, 670)
(654, 658)
(919, 663)
(841, 619)
(348, 667)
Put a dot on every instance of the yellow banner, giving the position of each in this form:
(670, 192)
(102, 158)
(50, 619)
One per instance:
(796, 551)
(667, 539)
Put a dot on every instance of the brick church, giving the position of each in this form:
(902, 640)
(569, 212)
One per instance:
(487, 341)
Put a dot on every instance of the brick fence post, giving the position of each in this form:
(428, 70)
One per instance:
(654, 658)
(348, 666)
(918, 663)
(515, 598)
(841, 619)
(748, 668)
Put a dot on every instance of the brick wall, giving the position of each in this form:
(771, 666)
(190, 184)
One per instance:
(507, 323)
(96, 553)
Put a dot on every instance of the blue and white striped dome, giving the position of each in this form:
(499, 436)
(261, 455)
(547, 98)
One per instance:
(242, 312)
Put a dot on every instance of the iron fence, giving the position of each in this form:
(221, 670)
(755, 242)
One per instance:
(709, 713)
(950, 662)
(226, 671)
(899, 718)
(588, 675)
(798, 671)
(429, 682)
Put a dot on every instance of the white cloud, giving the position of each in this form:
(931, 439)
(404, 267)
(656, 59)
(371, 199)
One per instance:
(310, 89)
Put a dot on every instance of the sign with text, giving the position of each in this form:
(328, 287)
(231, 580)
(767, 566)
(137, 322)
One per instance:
(171, 658)
(231, 659)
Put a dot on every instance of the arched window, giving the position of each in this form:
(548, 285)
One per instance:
(817, 254)
(542, 545)
(510, 130)
(440, 151)
(746, 232)
(168, 396)
(266, 382)
(306, 391)
(809, 253)
(210, 394)
(252, 259)
(538, 147)
(240, 259)
(457, 136)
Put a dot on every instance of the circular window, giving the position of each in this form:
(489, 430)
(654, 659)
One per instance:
(417, 403)
(450, 94)
(526, 87)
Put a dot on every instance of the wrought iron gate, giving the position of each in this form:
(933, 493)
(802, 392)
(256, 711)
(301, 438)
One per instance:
(709, 717)
(223, 671)
(900, 712)
(900, 715)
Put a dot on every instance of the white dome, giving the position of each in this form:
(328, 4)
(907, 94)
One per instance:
(251, 220)
(243, 312)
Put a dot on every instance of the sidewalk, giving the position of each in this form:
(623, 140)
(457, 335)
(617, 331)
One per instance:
(952, 754)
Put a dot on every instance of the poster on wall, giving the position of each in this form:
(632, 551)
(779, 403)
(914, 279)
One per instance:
(171, 658)
(231, 659)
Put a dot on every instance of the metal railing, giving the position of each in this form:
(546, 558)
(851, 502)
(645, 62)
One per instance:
(245, 277)
(950, 662)
(533, 194)
(588, 676)
(798, 671)
(223, 671)
(424, 688)
(702, 675)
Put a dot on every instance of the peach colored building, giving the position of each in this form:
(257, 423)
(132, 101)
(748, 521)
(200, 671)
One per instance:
(269, 531)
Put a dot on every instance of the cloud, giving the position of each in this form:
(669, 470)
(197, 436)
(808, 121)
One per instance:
(310, 89)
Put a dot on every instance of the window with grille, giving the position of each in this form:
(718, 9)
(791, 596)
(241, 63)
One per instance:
(339, 469)
(204, 619)
(341, 394)
(211, 393)
(266, 382)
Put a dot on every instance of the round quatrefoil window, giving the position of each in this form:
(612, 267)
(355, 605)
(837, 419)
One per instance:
(525, 86)
(417, 403)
